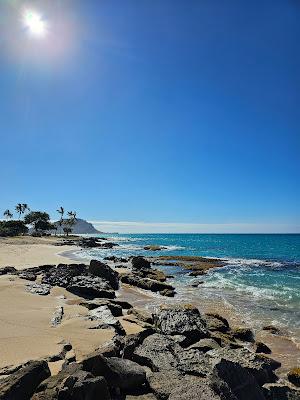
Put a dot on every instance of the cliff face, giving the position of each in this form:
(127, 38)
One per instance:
(81, 226)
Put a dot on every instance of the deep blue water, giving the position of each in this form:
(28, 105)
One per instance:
(261, 279)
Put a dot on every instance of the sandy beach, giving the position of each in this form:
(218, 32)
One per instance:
(26, 332)
(26, 251)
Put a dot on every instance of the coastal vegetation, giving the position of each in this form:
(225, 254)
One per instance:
(37, 223)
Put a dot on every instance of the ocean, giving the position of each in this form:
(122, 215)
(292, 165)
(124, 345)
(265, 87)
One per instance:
(260, 282)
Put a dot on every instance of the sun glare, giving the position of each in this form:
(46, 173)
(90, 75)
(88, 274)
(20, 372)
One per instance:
(34, 23)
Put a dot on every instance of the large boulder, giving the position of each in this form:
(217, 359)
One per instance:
(181, 320)
(115, 308)
(72, 383)
(118, 372)
(280, 391)
(229, 377)
(105, 272)
(63, 274)
(22, 384)
(157, 352)
(198, 389)
(146, 283)
(260, 366)
(90, 287)
(139, 263)
(7, 270)
(216, 322)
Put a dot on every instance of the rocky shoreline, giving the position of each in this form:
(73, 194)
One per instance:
(179, 353)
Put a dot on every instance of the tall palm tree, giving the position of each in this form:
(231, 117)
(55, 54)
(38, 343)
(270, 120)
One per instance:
(71, 220)
(7, 214)
(25, 208)
(61, 211)
(19, 209)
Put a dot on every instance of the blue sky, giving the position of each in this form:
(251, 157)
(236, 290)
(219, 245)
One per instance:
(157, 112)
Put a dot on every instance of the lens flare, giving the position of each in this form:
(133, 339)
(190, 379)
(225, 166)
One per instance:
(34, 23)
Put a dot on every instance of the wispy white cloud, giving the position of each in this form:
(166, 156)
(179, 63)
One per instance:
(174, 227)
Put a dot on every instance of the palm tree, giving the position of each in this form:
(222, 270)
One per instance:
(7, 214)
(70, 221)
(19, 209)
(25, 208)
(61, 211)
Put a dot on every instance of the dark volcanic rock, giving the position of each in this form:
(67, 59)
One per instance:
(157, 352)
(244, 334)
(119, 373)
(260, 366)
(205, 345)
(7, 270)
(216, 322)
(163, 383)
(140, 262)
(105, 272)
(294, 376)
(181, 320)
(142, 315)
(90, 287)
(73, 384)
(145, 283)
(114, 308)
(262, 348)
(272, 329)
(150, 273)
(22, 384)
(238, 381)
(37, 288)
(63, 274)
(199, 389)
(193, 362)
(280, 391)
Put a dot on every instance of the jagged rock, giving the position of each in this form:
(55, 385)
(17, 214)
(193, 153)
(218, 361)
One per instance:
(145, 283)
(181, 320)
(7, 270)
(205, 345)
(140, 262)
(238, 381)
(272, 329)
(119, 373)
(193, 362)
(150, 273)
(199, 389)
(63, 274)
(157, 352)
(72, 383)
(280, 391)
(105, 272)
(142, 315)
(29, 276)
(216, 322)
(131, 342)
(105, 319)
(163, 383)
(243, 334)
(90, 287)
(260, 366)
(262, 348)
(115, 308)
(22, 384)
(37, 288)
(154, 248)
(294, 376)
(167, 292)
(57, 316)
(225, 339)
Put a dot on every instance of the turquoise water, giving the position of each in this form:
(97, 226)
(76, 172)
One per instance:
(261, 279)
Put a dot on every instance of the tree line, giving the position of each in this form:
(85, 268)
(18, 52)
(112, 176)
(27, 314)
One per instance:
(38, 220)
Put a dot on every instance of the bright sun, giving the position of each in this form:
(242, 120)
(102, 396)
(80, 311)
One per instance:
(34, 23)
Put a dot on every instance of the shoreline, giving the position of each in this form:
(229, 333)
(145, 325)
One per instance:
(18, 333)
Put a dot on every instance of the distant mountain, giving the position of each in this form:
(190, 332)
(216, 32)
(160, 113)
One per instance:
(81, 227)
